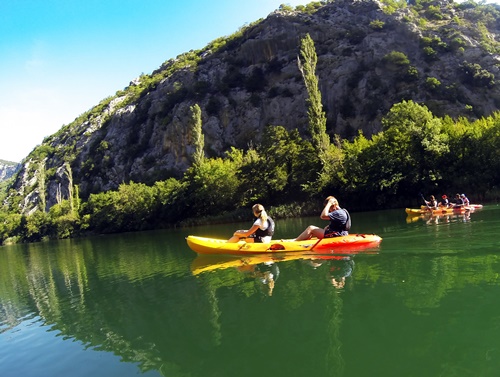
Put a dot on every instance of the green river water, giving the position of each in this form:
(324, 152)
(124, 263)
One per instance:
(425, 303)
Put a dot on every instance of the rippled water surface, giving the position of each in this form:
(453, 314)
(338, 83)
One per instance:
(425, 303)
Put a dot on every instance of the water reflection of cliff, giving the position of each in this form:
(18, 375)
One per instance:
(98, 295)
(139, 300)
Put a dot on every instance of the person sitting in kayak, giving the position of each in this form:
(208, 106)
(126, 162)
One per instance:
(444, 203)
(340, 222)
(432, 203)
(262, 229)
(465, 200)
(458, 201)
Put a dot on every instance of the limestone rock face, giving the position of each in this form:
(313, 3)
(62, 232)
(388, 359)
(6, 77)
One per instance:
(143, 132)
(8, 169)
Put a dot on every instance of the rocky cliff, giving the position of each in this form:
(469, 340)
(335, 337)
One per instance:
(8, 169)
(369, 58)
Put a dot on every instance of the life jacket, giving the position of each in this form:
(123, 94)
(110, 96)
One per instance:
(336, 228)
(269, 230)
(348, 222)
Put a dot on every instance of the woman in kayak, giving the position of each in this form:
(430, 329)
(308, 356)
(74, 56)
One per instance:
(432, 203)
(340, 222)
(262, 229)
(465, 200)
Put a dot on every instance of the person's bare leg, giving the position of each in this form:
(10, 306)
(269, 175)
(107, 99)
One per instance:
(311, 231)
(235, 239)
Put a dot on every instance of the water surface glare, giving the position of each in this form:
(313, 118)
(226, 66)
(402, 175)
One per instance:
(425, 303)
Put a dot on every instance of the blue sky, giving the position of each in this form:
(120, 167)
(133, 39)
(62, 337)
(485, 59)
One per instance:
(59, 58)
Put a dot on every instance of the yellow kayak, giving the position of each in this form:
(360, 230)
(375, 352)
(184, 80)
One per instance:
(439, 211)
(344, 244)
(437, 218)
(470, 206)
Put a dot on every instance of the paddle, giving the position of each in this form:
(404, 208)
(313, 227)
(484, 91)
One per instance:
(319, 240)
(425, 201)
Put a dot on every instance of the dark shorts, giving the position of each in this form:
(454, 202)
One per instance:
(256, 239)
(331, 234)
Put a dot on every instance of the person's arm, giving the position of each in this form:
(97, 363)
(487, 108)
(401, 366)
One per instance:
(246, 233)
(326, 210)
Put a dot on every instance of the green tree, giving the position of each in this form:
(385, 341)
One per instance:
(41, 185)
(127, 209)
(169, 206)
(276, 170)
(377, 24)
(330, 156)
(473, 161)
(71, 197)
(63, 222)
(407, 157)
(197, 134)
(99, 213)
(414, 143)
(212, 187)
(432, 83)
(396, 59)
(475, 75)
(317, 118)
(11, 226)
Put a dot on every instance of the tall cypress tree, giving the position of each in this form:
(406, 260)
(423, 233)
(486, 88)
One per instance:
(69, 175)
(41, 185)
(329, 156)
(198, 138)
(317, 118)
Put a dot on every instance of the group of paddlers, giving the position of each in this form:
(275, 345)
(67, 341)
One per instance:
(460, 200)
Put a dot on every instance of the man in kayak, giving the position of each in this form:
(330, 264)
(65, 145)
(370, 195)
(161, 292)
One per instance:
(262, 229)
(458, 201)
(340, 222)
(444, 202)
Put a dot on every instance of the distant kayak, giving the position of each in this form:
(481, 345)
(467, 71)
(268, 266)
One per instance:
(345, 244)
(441, 211)
(474, 206)
(438, 217)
